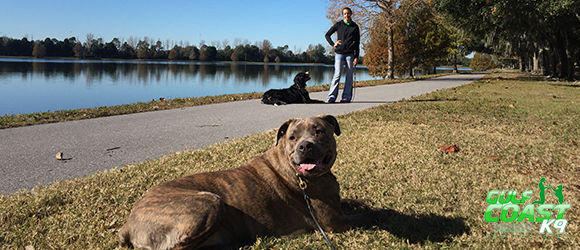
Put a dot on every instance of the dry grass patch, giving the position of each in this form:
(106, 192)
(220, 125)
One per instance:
(510, 134)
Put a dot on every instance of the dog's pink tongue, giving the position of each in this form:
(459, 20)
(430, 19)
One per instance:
(306, 167)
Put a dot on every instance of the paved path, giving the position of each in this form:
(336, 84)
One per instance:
(27, 153)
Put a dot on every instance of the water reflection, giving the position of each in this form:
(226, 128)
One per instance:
(29, 86)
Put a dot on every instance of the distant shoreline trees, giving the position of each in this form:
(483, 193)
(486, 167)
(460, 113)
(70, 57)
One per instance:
(149, 49)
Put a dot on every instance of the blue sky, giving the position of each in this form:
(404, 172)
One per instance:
(296, 23)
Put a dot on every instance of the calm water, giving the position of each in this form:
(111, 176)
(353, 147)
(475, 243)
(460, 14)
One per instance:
(36, 85)
(31, 85)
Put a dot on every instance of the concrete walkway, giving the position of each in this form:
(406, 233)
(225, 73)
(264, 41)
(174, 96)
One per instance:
(27, 154)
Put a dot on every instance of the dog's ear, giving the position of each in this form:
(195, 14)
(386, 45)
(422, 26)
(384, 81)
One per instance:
(282, 131)
(298, 79)
(330, 119)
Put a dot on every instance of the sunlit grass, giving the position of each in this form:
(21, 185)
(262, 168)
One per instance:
(511, 131)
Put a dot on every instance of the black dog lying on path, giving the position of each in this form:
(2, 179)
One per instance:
(297, 93)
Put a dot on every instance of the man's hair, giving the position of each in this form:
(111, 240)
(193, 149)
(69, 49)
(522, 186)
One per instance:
(347, 8)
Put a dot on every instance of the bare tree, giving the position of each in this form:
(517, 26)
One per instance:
(39, 51)
(90, 38)
(225, 43)
(216, 44)
(89, 42)
(266, 46)
(133, 41)
(297, 50)
(237, 42)
(79, 50)
(169, 43)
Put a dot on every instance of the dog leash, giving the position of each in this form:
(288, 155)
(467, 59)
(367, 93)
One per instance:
(303, 186)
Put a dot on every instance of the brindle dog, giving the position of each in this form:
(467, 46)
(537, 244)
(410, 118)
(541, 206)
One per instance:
(229, 209)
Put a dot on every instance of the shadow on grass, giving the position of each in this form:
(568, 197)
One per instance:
(530, 78)
(406, 100)
(417, 228)
(566, 85)
(423, 228)
(434, 100)
(535, 78)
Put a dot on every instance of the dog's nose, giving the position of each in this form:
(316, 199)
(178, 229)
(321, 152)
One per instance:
(304, 147)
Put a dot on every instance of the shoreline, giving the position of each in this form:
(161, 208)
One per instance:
(21, 120)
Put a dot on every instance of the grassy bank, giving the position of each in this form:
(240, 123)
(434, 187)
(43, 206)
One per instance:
(511, 131)
(10, 121)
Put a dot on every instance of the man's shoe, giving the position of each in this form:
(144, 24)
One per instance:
(331, 100)
(344, 101)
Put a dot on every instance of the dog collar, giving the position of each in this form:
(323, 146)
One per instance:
(301, 183)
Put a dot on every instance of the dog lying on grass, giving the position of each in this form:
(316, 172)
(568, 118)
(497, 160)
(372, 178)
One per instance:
(229, 209)
(297, 93)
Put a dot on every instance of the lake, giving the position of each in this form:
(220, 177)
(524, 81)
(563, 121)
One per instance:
(38, 85)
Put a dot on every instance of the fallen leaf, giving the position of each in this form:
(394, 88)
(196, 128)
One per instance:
(536, 244)
(58, 156)
(29, 248)
(512, 106)
(112, 224)
(573, 142)
(449, 149)
(526, 172)
(493, 158)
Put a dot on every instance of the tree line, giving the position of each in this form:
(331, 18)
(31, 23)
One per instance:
(149, 49)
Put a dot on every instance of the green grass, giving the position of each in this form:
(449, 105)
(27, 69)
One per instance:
(511, 132)
(10, 121)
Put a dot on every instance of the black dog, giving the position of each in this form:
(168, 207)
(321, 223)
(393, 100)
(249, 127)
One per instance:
(297, 93)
